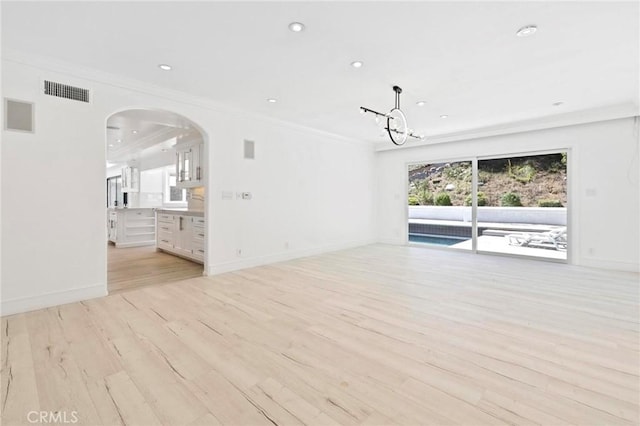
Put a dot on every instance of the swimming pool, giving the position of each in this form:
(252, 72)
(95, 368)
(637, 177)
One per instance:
(435, 239)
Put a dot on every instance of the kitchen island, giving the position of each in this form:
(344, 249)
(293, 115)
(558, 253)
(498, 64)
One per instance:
(181, 232)
(131, 227)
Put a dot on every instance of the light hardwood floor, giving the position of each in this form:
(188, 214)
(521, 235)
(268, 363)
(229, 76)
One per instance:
(135, 267)
(376, 335)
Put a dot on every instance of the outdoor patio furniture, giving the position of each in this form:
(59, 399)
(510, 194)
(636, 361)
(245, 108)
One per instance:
(554, 239)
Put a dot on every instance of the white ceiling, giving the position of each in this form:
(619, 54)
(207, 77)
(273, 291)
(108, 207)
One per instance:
(138, 133)
(463, 59)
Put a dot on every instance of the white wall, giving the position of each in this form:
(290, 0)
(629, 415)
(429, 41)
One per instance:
(604, 202)
(310, 189)
(309, 193)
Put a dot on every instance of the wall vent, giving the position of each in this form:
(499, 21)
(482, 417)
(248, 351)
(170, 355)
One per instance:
(18, 115)
(249, 149)
(60, 90)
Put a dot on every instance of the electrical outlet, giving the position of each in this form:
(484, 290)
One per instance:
(239, 252)
(286, 245)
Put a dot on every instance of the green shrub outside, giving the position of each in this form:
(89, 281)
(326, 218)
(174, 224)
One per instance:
(549, 203)
(425, 198)
(510, 200)
(443, 199)
(523, 173)
(413, 200)
(482, 200)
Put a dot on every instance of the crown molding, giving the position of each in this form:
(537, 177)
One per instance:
(605, 113)
(101, 77)
(611, 112)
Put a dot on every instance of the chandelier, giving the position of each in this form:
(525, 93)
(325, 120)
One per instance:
(396, 125)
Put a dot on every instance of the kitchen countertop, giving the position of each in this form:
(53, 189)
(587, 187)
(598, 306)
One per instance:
(130, 208)
(185, 212)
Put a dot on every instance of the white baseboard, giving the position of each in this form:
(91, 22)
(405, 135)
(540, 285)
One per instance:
(251, 262)
(26, 304)
(583, 261)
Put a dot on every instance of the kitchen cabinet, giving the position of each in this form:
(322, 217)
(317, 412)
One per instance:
(190, 164)
(197, 238)
(182, 244)
(132, 227)
(130, 179)
(181, 234)
(112, 226)
(165, 231)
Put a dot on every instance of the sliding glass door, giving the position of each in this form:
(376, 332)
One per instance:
(522, 205)
(440, 204)
(519, 207)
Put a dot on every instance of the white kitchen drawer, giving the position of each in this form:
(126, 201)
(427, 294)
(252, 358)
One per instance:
(139, 214)
(198, 221)
(198, 235)
(197, 244)
(166, 218)
(163, 244)
(165, 227)
(198, 253)
(166, 237)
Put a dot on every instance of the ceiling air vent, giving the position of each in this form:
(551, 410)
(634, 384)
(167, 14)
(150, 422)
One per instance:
(60, 90)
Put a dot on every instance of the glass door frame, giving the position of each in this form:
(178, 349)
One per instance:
(474, 202)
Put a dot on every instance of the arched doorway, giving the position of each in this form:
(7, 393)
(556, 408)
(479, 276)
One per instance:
(156, 198)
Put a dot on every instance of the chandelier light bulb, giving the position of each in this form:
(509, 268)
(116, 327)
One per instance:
(296, 27)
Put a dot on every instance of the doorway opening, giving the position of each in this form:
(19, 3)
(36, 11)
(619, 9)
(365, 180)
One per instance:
(155, 204)
(512, 205)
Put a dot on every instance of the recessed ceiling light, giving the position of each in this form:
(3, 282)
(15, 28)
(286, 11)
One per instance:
(557, 103)
(164, 149)
(444, 116)
(271, 101)
(527, 31)
(134, 132)
(357, 64)
(119, 140)
(110, 145)
(420, 103)
(165, 67)
(296, 27)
